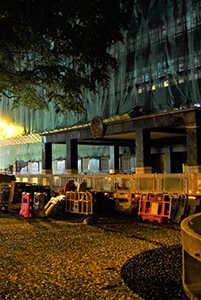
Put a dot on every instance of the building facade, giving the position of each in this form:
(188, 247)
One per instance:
(150, 111)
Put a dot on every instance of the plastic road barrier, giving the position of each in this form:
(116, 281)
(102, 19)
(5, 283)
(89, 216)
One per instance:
(79, 202)
(26, 209)
(184, 206)
(54, 205)
(178, 207)
(155, 207)
(38, 205)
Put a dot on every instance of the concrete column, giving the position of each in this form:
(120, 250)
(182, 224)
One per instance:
(114, 159)
(167, 159)
(193, 139)
(46, 158)
(143, 151)
(133, 163)
(71, 157)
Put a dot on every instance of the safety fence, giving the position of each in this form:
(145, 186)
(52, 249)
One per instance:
(186, 183)
(26, 210)
(79, 202)
(183, 190)
(38, 205)
(162, 207)
(155, 207)
(150, 207)
(32, 205)
(54, 205)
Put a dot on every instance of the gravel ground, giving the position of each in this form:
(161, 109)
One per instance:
(63, 258)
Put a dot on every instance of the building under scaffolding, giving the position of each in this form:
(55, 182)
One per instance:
(148, 117)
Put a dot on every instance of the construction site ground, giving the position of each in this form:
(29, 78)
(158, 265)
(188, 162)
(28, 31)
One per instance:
(116, 257)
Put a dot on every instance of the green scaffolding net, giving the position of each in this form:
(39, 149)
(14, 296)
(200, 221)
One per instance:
(33, 152)
(159, 70)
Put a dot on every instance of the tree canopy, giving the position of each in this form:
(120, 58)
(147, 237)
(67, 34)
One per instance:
(51, 50)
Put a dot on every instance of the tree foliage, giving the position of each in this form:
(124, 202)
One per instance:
(52, 50)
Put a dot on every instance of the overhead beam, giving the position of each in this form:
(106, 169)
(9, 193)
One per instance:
(106, 142)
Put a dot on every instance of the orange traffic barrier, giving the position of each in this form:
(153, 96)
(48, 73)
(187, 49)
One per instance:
(155, 207)
(79, 202)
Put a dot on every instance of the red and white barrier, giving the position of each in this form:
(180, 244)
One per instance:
(155, 207)
(26, 210)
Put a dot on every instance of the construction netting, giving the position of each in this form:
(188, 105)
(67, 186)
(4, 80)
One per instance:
(164, 56)
(24, 152)
(9, 154)
(159, 70)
